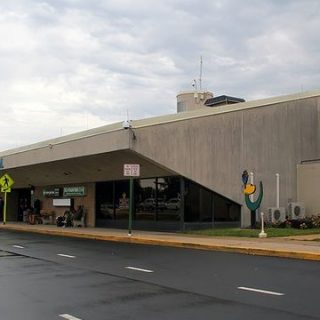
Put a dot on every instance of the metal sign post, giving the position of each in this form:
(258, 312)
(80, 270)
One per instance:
(131, 170)
(130, 207)
(5, 182)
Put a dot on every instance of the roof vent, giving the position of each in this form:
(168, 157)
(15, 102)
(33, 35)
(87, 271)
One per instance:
(222, 100)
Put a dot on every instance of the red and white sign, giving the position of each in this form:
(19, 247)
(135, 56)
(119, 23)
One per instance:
(131, 170)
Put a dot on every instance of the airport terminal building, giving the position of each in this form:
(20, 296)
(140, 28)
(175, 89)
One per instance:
(190, 164)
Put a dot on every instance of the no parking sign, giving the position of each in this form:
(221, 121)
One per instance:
(131, 170)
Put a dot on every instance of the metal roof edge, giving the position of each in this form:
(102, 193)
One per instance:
(64, 139)
(208, 111)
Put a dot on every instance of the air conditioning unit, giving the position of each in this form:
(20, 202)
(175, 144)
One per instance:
(277, 215)
(296, 210)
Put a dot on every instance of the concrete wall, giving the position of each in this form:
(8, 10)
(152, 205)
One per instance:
(214, 150)
(308, 187)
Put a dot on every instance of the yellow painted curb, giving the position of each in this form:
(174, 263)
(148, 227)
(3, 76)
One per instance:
(303, 255)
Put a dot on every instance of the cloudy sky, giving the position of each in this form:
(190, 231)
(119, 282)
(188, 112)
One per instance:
(71, 65)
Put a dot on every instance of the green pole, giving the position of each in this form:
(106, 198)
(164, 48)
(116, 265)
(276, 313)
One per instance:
(5, 208)
(130, 206)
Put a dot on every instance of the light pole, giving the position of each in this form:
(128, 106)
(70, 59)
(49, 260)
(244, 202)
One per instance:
(262, 234)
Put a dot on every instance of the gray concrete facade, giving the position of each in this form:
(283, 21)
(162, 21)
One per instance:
(211, 146)
(215, 149)
(308, 175)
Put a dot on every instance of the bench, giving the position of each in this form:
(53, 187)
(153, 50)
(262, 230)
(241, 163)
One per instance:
(47, 218)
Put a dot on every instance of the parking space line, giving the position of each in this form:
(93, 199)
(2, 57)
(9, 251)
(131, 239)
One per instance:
(139, 269)
(68, 316)
(261, 291)
(17, 246)
(65, 255)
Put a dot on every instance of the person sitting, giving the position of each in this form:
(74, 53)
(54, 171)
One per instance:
(60, 221)
(65, 220)
(68, 218)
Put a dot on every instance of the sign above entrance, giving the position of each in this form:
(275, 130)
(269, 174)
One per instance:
(51, 193)
(6, 183)
(74, 191)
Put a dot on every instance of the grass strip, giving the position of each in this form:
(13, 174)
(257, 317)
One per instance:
(254, 233)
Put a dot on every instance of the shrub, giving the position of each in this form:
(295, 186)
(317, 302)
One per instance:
(306, 223)
(280, 224)
(315, 221)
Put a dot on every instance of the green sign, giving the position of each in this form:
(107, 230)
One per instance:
(51, 193)
(74, 191)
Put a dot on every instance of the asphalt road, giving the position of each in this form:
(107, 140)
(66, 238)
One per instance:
(45, 277)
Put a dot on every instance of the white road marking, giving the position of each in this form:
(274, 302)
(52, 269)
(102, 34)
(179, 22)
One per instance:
(139, 269)
(262, 291)
(65, 255)
(19, 247)
(68, 316)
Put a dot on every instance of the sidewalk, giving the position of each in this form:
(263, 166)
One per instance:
(298, 247)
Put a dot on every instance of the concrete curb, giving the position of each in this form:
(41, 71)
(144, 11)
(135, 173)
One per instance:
(179, 243)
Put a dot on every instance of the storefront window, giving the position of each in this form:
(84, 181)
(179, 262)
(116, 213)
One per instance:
(146, 199)
(204, 205)
(105, 200)
(159, 200)
(198, 203)
(121, 200)
(169, 198)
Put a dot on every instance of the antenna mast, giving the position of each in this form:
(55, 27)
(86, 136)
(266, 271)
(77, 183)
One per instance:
(200, 78)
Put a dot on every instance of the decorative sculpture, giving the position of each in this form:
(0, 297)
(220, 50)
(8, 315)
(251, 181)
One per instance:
(248, 189)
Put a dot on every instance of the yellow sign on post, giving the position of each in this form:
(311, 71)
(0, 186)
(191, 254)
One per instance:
(6, 183)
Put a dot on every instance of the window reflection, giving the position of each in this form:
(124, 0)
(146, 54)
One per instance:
(159, 200)
(153, 197)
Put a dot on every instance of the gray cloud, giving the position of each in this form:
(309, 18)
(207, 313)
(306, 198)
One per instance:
(71, 65)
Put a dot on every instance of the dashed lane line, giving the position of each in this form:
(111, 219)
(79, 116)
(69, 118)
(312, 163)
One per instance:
(68, 316)
(261, 291)
(139, 269)
(65, 255)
